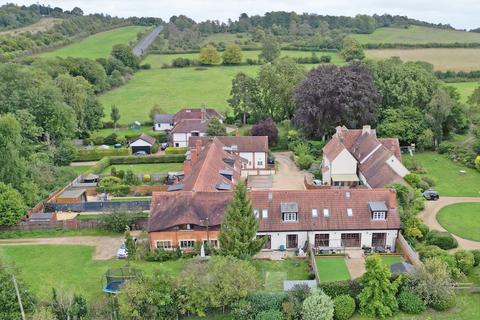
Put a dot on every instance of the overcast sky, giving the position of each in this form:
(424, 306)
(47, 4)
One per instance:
(462, 14)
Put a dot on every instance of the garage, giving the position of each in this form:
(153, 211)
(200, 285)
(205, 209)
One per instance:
(351, 239)
(143, 143)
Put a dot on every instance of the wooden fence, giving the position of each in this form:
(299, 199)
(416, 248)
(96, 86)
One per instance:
(409, 253)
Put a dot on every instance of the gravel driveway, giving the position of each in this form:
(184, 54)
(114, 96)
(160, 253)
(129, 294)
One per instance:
(288, 176)
(105, 247)
(429, 217)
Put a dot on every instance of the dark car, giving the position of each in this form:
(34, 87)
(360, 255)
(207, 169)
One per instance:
(140, 153)
(271, 160)
(431, 195)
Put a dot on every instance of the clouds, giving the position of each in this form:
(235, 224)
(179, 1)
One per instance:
(459, 13)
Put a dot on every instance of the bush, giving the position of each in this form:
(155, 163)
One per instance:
(325, 59)
(116, 191)
(413, 180)
(344, 307)
(465, 260)
(117, 221)
(111, 139)
(304, 161)
(339, 288)
(146, 66)
(441, 239)
(318, 306)
(176, 150)
(477, 163)
(428, 181)
(444, 304)
(270, 315)
(476, 257)
(242, 310)
(146, 178)
(265, 301)
(161, 255)
(410, 302)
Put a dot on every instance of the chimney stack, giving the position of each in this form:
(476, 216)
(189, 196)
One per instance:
(392, 199)
(366, 129)
(186, 168)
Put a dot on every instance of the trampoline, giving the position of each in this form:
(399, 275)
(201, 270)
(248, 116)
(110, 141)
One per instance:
(115, 279)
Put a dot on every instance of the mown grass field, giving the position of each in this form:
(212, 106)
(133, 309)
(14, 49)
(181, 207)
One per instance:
(449, 181)
(332, 269)
(417, 35)
(98, 45)
(43, 267)
(147, 168)
(443, 59)
(462, 219)
(173, 89)
(465, 88)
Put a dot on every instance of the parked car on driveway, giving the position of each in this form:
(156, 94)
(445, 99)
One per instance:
(164, 146)
(140, 153)
(122, 252)
(431, 195)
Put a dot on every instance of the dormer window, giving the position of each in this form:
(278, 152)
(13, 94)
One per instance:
(378, 210)
(289, 211)
(326, 213)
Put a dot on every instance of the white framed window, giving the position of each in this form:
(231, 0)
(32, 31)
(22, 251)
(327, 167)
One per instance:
(326, 213)
(164, 244)
(187, 244)
(265, 213)
(349, 212)
(256, 213)
(213, 242)
(290, 216)
(314, 213)
(378, 215)
(259, 163)
(347, 194)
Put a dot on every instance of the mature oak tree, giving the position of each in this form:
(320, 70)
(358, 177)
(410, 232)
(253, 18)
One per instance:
(332, 96)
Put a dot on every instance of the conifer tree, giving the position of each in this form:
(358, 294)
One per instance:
(238, 232)
(377, 298)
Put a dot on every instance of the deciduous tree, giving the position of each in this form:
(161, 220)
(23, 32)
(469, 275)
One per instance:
(244, 96)
(352, 49)
(209, 55)
(216, 128)
(270, 49)
(268, 128)
(232, 54)
(115, 115)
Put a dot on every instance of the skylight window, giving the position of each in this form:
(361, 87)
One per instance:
(265, 213)
(314, 213)
(349, 212)
(326, 213)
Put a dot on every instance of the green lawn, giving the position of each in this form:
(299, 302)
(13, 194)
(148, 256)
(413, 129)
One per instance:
(332, 269)
(123, 131)
(147, 168)
(389, 260)
(417, 35)
(462, 219)
(446, 174)
(464, 88)
(98, 45)
(173, 89)
(79, 169)
(273, 273)
(70, 267)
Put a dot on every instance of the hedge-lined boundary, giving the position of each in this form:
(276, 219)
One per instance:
(420, 45)
(176, 150)
(97, 154)
(108, 161)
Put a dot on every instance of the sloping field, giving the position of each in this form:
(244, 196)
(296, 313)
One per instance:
(417, 35)
(98, 45)
(454, 59)
(173, 89)
(465, 88)
(42, 25)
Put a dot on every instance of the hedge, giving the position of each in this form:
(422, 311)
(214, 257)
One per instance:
(442, 239)
(107, 161)
(177, 150)
(97, 154)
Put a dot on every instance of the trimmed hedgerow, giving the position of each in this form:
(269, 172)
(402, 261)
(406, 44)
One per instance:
(176, 150)
(441, 239)
(338, 288)
(270, 315)
(97, 154)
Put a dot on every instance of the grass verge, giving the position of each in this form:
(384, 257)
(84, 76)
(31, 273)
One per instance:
(51, 233)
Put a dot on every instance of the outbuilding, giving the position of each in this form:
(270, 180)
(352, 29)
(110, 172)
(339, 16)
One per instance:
(143, 143)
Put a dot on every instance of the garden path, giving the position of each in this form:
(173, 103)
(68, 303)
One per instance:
(429, 218)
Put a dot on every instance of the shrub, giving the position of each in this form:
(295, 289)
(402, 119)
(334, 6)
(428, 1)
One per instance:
(410, 302)
(270, 315)
(110, 182)
(442, 239)
(242, 310)
(146, 66)
(176, 150)
(476, 257)
(338, 288)
(146, 178)
(264, 301)
(344, 307)
(116, 191)
(118, 220)
(317, 306)
(161, 255)
(445, 147)
(111, 139)
(444, 304)
(465, 260)
(266, 128)
(412, 179)
(477, 163)
(429, 181)
(325, 59)
(304, 161)
(97, 154)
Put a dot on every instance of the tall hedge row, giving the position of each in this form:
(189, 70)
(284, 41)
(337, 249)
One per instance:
(107, 161)
(97, 154)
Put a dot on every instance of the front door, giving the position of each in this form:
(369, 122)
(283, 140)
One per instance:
(351, 239)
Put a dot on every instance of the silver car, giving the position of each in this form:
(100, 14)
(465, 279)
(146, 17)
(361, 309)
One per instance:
(122, 252)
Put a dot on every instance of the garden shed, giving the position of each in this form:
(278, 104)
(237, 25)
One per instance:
(72, 195)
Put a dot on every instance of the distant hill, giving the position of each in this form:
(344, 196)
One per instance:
(43, 24)
(417, 35)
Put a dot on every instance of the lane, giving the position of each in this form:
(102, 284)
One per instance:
(143, 45)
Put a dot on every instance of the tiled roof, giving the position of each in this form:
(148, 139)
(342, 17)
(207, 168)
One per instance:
(196, 113)
(163, 118)
(205, 173)
(169, 209)
(189, 125)
(244, 144)
(393, 145)
(146, 138)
